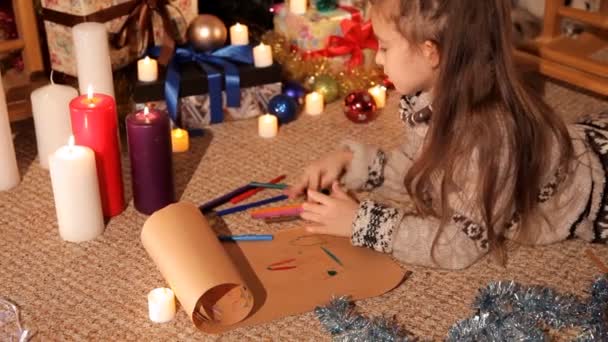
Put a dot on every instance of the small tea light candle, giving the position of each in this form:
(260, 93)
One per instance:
(239, 34)
(313, 105)
(180, 140)
(379, 94)
(268, 126)
(297, 6)
(161, 305)
(147, 70)
(262, 56)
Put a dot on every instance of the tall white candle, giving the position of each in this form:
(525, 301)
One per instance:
(239, 34)
(147, 69)
(379, 94)
(93, 62)
(51, 110)
(76, 193)
(268, 126)
(9, 173)
(297, 6)
(161, 305)
(313, 104)
(262, 56)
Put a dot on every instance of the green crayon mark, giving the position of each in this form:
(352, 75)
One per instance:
(332, 255)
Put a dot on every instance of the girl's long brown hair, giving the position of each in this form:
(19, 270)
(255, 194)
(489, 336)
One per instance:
(481, 108)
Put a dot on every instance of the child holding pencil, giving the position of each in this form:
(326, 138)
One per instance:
(483, 159)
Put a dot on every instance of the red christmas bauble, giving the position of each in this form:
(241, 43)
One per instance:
(359, 107)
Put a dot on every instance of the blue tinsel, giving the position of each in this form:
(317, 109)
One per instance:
(506, 311)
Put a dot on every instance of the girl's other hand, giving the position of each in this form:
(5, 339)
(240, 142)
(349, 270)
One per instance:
(332, 215)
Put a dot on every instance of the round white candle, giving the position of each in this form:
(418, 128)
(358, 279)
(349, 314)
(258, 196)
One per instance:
(51, 110)
(9, 172)
(313, 104)
(297, 6)
(147, 69)
(239, 34)
(76, 193)
(93, 62)
(379, 94)
(161, 305)
(268, 126)
(262, 56)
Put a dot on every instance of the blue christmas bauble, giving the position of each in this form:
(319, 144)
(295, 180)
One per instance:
(294, 90)
(283, 107)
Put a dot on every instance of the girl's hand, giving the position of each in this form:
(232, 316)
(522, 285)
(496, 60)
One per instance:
(321, 173)
(332, 215)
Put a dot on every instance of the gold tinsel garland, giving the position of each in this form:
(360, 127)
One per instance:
(305, 69)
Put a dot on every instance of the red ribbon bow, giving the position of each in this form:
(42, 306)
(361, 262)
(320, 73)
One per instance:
(356, 37)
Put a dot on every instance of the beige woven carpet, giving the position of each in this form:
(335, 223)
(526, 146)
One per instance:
(97, 290)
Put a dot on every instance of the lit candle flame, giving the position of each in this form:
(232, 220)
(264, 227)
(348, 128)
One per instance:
(90, 92)
(147, 60)
(146, 111)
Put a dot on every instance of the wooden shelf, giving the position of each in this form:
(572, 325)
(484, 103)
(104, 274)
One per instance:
(583, 52)
(581, 60)
(11, 45)
(594, 19)
(531, 62)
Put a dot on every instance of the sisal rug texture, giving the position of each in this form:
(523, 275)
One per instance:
(96, 291)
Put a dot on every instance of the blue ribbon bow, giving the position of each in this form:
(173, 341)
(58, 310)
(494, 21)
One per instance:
(210, 62)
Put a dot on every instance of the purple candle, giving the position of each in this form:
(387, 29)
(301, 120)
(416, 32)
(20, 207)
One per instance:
(149, 139)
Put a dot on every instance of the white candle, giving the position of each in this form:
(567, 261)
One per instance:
(93, 62)
(239, 34)
(76, 192)
(262, 56)
(313, 104)
(161, 305)
(51, 110)
(379, 94)
(297, 6)
(9, 172)
(268, 126)
(147, 69)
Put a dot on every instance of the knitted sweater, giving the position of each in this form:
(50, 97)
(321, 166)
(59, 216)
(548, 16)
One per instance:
(571, 204)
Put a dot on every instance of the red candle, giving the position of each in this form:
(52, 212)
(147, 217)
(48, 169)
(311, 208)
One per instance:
(95, 125)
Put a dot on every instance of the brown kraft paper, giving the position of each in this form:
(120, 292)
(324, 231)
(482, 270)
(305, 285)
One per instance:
(227, 285)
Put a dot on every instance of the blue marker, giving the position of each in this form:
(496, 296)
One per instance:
(246, 237)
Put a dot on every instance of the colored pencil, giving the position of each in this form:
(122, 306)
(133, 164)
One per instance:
(277, 213)
(279, 186)
(252, 192)
(216, 202)
(276, 209)
(281, 219)
(244, 207)
(246, 237)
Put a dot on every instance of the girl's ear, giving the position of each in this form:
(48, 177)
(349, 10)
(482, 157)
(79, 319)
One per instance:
(431, 53)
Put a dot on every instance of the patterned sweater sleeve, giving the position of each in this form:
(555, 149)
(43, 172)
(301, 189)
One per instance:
(426, 241)
(374, 169)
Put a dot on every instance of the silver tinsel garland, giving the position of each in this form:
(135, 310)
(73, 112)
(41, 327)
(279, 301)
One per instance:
(506, 311)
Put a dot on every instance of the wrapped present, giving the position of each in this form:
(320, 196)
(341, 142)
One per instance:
(340, 34)
(214, 83)
(195, 109)
(121, 18)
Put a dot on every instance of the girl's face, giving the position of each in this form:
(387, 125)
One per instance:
(410, 67)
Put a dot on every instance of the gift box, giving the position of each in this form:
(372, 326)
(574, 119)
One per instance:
(257, 87)
(318, 33)
(61, 15)
(195, 112)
